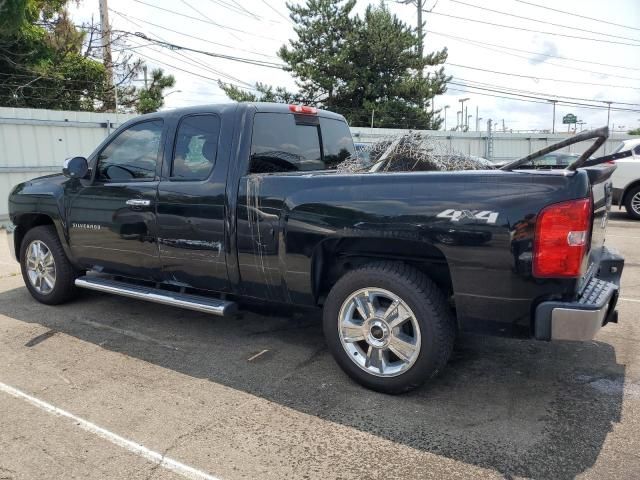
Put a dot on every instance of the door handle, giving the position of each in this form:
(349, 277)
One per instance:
(138, 202)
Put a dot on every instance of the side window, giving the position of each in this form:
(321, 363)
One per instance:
(636, 151)
(337, 143)
(196, 147)
(279, 144)
(132, 155)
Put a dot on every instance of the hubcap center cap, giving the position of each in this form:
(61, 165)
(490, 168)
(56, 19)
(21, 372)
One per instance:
(377, 332)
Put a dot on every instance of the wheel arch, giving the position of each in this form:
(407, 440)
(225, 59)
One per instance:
(334, 257)
(26, 221)
(627, 189)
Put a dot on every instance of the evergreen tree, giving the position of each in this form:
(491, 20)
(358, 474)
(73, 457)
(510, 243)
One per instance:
(151, 99)
(43, 65)
(359, 67)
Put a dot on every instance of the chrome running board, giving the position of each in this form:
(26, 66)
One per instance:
(192, 302)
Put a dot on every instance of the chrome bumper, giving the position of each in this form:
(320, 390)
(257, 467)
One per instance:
(10, 228)
(581, 320)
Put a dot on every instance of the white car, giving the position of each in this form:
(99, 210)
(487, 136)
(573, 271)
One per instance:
(626, 178)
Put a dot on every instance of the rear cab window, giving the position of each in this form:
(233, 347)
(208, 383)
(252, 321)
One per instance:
(285, 142)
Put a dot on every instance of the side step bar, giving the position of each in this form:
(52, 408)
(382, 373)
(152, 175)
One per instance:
(191, 302)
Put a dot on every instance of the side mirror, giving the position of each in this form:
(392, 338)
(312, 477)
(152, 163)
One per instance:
(76, 167)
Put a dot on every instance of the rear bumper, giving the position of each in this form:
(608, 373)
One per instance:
(581, 320)
(11, 228)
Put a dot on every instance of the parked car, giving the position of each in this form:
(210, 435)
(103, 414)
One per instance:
(202, 207)
(626, 178)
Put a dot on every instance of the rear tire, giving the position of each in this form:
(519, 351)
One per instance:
(46, 270)
(632, 203)
(382, 351)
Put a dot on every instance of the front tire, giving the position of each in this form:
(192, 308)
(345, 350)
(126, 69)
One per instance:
(46, 270)
(632, 203)
(388, 326)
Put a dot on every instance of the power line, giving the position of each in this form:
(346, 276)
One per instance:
(174, 46)
(184, 70)
(226, 27)
(275, 10)
(473, 41)
(578, 15)
(553, 63)
(542, 94)
(126, 17)
(543, 78)
(239, 9)
(547, 100)
(205, 16)
(190, 60)
(197, 64)
(527, 29)
(588, 107)
(522, 17)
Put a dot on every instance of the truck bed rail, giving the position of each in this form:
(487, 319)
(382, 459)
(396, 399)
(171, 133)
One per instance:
(600, 134)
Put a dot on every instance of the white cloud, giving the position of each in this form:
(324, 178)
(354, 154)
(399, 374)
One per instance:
(260, 39)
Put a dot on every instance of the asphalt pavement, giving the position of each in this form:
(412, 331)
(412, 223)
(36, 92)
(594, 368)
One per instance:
(107, 387)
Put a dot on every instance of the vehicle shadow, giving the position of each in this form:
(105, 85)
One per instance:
(521, 408)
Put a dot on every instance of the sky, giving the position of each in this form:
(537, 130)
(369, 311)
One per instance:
(489, 57)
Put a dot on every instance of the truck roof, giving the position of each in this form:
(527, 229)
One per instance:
(263, 107)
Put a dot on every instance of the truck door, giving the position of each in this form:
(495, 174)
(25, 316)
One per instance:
(112, 220)
(191, 204)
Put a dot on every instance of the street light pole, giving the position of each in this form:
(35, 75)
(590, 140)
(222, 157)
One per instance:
(462, 100)
(608, 119)
(445, 117)
(553, 128)
(608, 111)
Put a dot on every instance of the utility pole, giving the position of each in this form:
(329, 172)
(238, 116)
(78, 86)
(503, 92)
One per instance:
(372, 114)
(608, 111)
(420, 6)
(144, 69)
(477, 118)
(553, 128)
(445, 117)
(464, 112)
(105, 34)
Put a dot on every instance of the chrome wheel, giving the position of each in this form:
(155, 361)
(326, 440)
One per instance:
(635, 203)
(379, 332)
(41, 267)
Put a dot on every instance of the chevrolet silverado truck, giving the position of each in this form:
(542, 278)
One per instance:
(205, 207)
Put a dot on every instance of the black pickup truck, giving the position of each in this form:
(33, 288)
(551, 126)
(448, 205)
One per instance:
(203, 207)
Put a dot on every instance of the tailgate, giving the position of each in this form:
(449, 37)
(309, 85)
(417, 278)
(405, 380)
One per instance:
(601, 191)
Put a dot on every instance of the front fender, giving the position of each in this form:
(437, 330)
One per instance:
(40, 201)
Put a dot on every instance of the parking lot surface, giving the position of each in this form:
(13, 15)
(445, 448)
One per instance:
(107, 387)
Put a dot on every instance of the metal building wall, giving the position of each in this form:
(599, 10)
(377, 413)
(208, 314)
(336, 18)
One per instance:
(506, 146)
(36, 142)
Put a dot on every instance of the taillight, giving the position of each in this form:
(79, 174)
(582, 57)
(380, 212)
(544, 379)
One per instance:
(304, 109)
(561, 239)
